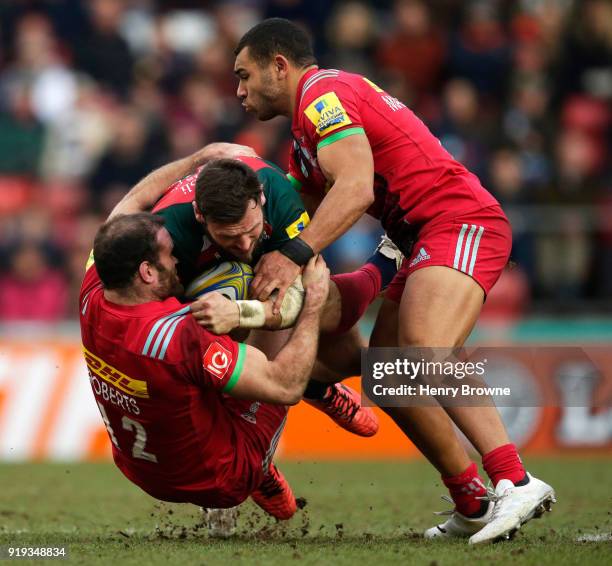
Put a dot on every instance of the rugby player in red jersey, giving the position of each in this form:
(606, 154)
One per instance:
(238, 209)
(192, 417)
(357, 150)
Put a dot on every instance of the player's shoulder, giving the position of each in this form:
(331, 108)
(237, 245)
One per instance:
(180, 192)
(265, 170)
(91, 284)
(257, 164)
(165, 330)
(329, 82)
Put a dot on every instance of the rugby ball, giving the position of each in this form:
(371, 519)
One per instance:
(230, 278)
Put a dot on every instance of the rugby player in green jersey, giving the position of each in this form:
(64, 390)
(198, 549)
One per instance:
(238, 209)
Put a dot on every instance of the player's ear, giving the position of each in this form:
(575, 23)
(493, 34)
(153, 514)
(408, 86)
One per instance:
(262, 198)
(146, 273)
(196, 211)
(281, 65)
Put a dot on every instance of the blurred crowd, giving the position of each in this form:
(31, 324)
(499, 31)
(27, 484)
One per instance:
(95, 94)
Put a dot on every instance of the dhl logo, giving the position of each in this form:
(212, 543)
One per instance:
(108, 373)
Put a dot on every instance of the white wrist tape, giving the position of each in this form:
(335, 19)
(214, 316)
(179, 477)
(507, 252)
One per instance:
(252, 314)
(292, 303)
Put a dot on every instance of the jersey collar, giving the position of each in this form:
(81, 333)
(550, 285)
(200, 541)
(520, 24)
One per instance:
(300, 88)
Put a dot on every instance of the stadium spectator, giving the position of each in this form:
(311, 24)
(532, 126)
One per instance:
(21, 135)
(485, 76)
(587, 51)
(351, 37)
(463, 130)
(127, 160)
(32, 290)
(416, 48)
(479, 50)
(101, 51)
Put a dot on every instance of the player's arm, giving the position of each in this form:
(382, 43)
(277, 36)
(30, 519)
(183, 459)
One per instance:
(149, 190)
(349, 165)
(311, 202)
(219, 315)
(288, 216)
(283, 379)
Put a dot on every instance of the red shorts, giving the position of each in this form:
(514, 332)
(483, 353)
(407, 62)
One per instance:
(258, 428)
(476, 243)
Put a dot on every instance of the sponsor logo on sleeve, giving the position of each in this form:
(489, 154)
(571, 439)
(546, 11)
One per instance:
(217, 360)
(327, 113)
(294, 229)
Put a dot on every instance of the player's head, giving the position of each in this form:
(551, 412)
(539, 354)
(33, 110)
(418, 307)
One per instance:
(267, 57)
(133, 254)
(229, 201)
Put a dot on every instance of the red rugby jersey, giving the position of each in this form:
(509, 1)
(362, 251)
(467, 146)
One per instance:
(159, 381)
(416, 179)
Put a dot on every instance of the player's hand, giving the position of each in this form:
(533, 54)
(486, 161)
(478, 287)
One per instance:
(222, 150)
(273, 271)
(216, 313)
(315, 280)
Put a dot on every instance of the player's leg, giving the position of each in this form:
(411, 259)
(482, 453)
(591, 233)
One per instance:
(274, 494)
(259, 426)
(429, 428)
(440, 307)
(431, 431)
(339, 357)
(324, 390)
(352, 293)
(340, 344)
(454, 263)
(440, 304)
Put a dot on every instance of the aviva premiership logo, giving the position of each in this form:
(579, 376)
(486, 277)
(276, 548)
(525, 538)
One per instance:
(327, 113)
(294, 229)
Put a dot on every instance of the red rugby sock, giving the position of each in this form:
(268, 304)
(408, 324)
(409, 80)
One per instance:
(358, 289)
(504, 463)
(465, 489)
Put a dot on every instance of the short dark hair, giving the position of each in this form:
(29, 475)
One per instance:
(277, 35)
(122, 244)
(224, 189)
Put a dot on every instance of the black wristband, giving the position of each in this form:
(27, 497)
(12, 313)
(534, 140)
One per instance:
(298, 251)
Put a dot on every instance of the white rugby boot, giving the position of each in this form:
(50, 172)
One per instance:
(458, 525)
(514, 506)
(221, 523)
